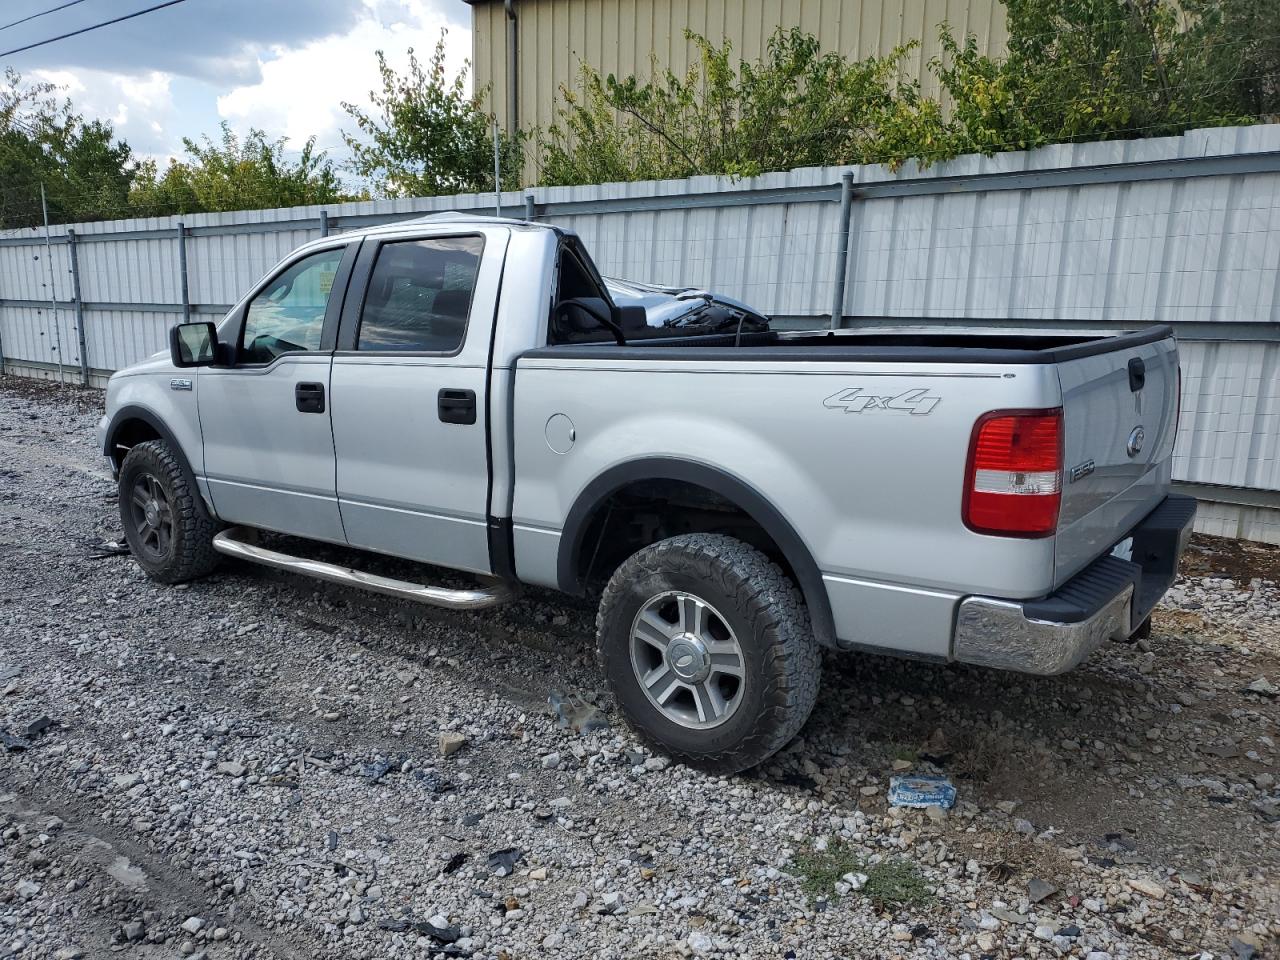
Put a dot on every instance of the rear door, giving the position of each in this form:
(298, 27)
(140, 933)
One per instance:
(268, 443)
(409, 391)
(1120, 417)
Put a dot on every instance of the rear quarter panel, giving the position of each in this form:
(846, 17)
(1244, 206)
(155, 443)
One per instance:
(874, 491)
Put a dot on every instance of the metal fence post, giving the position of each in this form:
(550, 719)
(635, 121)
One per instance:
(53, 294)
(78, 306)
(528, 206)
(497, 173)
(324, 223)
(842, 258)
(182, 272)
(2, 370)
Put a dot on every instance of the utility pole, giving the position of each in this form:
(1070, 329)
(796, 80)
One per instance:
(53, 298)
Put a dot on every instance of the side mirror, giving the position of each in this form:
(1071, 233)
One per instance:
(193, 344)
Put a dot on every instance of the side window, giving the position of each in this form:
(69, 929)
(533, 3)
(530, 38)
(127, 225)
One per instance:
(420, 295)
(288, 315)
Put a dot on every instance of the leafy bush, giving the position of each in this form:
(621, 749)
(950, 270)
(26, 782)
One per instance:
(234, 174)
(797, 107)
(1075, 70)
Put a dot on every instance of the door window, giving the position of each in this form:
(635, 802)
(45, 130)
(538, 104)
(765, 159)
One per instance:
(288, 316)
(420, 295)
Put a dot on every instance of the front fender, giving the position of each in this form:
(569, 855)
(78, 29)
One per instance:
(171, 413)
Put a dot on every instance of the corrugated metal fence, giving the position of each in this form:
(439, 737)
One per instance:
(1184, 230)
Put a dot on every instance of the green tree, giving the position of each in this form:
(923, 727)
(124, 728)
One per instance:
(426, 136)
(85, 170)
(1245, 50)
(1093, 70)
(252, 173)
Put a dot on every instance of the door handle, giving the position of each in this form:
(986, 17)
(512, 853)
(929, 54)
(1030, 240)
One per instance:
(456, 406)
(309, 397)
(1137, 374)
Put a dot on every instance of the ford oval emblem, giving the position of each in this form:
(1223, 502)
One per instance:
(1136, 438)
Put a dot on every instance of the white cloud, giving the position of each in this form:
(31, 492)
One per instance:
(291, 91)
(301, 90)
(216, 42)
(139, 107)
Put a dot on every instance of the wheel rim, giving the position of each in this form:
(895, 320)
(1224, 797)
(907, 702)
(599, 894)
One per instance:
(152, 516)
(687, 660)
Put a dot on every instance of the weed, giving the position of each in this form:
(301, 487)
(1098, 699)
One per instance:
(892, 883)
(896, 882)
(820, 869)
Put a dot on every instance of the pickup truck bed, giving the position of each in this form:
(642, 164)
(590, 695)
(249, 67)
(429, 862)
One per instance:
(464, 392)
(860, 442)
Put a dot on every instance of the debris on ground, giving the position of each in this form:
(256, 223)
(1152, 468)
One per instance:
(1264, 687)
(12, 743)
(503, 862)
(576, 714)
(451, 743)
(922, 792)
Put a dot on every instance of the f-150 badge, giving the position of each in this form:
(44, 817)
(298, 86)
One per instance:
(916, 402)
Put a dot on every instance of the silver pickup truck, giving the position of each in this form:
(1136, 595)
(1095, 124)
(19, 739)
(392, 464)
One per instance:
(470, 393)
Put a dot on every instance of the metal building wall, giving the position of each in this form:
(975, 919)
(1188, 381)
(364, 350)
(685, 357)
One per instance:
(1184, 230)
(555, 37)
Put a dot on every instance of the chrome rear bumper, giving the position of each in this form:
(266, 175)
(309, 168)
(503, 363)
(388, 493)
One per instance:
(998, 633)
(1109, 600)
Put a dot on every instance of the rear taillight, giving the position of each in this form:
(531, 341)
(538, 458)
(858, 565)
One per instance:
(1013, 484)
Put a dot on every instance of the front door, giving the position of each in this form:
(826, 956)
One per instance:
(268, 440)
(409, 399)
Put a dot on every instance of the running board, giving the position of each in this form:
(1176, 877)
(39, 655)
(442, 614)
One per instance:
(234, 542)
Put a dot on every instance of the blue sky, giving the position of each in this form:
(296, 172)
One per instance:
(281, 65)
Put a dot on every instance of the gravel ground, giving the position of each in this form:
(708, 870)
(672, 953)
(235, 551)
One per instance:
(254, 766)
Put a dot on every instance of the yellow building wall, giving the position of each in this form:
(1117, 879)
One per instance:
(617, 36)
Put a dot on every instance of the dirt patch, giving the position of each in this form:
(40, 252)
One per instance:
(82, 399)
(1239, 560)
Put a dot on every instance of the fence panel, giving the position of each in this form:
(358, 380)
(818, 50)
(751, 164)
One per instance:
(1183, 230)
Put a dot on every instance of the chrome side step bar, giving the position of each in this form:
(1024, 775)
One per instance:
(235, 542)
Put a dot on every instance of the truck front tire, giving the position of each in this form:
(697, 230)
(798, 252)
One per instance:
(708, 648)
(165, 522)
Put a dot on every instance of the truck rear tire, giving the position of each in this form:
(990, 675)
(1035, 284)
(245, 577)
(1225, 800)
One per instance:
(168, 529)
(708, 648)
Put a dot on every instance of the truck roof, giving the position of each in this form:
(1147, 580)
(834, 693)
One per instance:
(452, 218)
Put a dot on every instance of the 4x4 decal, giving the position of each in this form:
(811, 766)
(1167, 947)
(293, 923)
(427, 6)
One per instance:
(915, 401)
